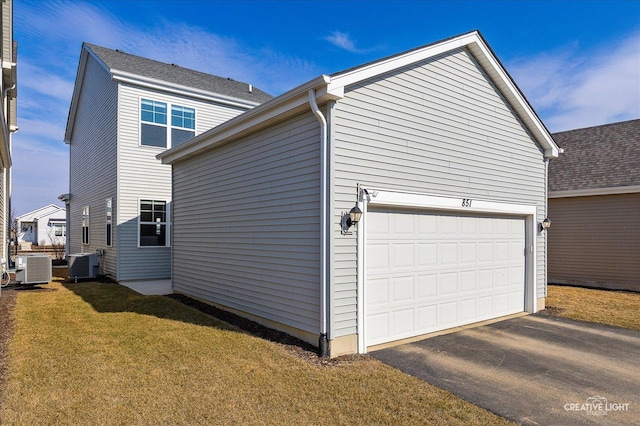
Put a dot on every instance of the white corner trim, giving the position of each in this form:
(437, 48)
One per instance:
(632, 189)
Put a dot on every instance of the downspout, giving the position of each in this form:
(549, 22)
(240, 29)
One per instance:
(323, 342)
(546, 234)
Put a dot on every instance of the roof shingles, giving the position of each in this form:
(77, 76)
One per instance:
(606, 156)
(121, 61)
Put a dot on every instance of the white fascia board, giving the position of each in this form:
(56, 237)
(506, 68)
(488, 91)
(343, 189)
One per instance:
(151, 83)
(632, 189)
(277, 109)
(500, 77)
(73, 108)
(474, 42)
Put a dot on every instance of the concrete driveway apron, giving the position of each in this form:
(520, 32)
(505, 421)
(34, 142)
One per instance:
(534, 369)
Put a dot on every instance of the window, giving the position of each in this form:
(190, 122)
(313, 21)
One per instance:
(183, 124)
(109, 215)
(154, 130)
(153, 223)
(59, 230)
(85, 225)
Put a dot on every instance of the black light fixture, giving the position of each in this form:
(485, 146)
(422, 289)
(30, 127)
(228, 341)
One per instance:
(354, 216)
(544, 225)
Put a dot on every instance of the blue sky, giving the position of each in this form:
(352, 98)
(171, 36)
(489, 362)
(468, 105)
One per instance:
(577, 62)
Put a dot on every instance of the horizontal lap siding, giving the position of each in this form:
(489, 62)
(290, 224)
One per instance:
(440, 127)
(246, 224)
(595, 241)
(92, 162)
(142, 176)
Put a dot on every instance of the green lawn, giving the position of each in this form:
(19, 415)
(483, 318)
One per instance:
(95, 353)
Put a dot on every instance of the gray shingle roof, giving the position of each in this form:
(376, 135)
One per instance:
(597, 157)
(118, 60)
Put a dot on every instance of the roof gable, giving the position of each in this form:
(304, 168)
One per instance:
(42, 211)
(606, 156)
(332, 87)
(148, 73)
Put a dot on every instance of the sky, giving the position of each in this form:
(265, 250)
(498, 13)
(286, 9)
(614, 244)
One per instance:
(577, 62)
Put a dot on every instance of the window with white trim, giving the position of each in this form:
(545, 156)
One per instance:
(109, 231)
(85, 225)
(153, 223)
(156, 131)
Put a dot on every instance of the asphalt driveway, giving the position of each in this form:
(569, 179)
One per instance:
(534, 369)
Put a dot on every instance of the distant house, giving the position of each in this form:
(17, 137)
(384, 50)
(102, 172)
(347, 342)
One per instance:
(435, 147)
(594, 203)
(8, 117)
(124, 111)
(43, 226)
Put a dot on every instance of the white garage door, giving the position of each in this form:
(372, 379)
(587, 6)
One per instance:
(432, 271)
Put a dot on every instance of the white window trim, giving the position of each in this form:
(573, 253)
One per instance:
(167, 126)
(167, 223)
(381, 197)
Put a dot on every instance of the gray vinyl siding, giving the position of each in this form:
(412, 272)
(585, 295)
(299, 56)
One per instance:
(595, 241)
(4, 228)
(246, 224)
(439, 127)
(142, 176)
(92, 157)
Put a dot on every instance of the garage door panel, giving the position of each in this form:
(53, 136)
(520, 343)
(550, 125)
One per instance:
(428, 272)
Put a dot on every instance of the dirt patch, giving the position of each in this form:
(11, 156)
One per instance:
(552, 310)
(295, 346)
(7, 305)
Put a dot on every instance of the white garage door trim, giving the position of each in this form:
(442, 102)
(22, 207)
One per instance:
(387, 198)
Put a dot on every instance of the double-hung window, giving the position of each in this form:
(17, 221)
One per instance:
(85, 225)
(153, 223)
(109, 211)
(157, 131)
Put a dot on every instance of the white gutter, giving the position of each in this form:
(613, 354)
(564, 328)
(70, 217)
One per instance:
(323, 342)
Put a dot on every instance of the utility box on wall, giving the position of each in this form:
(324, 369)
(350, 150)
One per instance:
(33, 269)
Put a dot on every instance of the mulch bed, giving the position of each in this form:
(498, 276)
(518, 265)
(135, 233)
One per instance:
(295, 346)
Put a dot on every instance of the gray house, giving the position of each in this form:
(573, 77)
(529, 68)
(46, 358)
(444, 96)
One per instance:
(436, 148)
(594, 202)
(125, 110)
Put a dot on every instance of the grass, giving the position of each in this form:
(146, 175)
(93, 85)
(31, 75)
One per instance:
(608, 307)
(94, 353)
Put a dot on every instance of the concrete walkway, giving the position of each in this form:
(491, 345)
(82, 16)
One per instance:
(535, 369)
(151, 287)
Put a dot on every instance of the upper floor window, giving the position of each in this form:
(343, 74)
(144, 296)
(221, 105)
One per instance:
(154, 129)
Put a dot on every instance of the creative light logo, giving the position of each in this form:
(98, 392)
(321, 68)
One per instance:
(596, 406)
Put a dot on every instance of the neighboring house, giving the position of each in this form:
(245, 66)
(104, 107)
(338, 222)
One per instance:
(439, 150)
(44, 226)
(594, 203)
(124, 111)
(8, 118)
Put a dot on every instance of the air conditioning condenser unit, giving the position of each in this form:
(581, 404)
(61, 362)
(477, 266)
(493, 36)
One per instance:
(33, 269)
(83, 265)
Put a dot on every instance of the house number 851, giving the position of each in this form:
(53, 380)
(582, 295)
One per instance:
(466, 202)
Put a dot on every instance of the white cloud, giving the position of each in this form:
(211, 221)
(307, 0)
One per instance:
(342, 40)
(574, 87)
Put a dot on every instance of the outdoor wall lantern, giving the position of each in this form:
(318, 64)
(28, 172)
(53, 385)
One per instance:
(354, 216)
(351, 220)
(544, 225)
